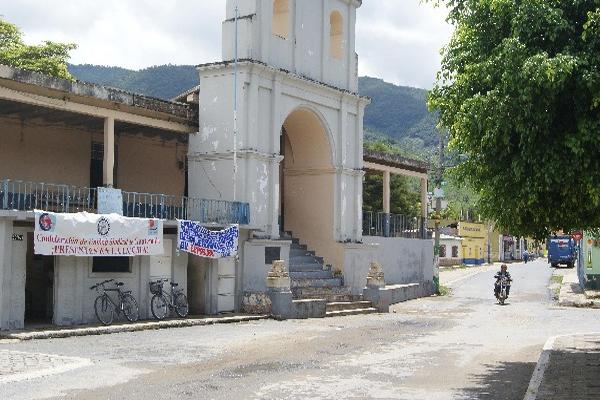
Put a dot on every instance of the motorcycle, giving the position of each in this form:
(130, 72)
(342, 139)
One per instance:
(503, 282)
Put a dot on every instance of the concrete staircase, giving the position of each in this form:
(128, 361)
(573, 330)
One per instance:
(310, 279)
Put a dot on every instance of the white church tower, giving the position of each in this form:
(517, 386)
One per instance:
(299, 123)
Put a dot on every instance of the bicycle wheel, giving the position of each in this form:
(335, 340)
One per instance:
(181, 305)
(159, 306)
(130, 308)
(104, 310)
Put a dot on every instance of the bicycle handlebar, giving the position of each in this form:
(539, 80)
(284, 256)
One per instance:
(101, 284)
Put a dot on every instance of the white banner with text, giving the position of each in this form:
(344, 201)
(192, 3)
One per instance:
(96, 235)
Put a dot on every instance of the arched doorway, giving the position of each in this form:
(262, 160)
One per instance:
(307, 180)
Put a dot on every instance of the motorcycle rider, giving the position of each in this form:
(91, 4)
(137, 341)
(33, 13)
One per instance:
(503, 272)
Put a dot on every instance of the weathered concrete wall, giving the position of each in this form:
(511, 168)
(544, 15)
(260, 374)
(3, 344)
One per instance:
(404, 260)
(40, 152)
(58, 153)
(255, 267)
(357, 260)
(74, 301)
(150, 165)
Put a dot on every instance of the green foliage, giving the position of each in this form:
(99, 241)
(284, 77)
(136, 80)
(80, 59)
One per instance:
(404, 191)
(519, 92)
(462, 199)
(400, 113)
(49, 58)
(404, 197)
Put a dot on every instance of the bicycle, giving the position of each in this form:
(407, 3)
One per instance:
(105, 307)
(162, 302)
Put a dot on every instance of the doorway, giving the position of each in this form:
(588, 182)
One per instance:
(39, 287)
(307, 181)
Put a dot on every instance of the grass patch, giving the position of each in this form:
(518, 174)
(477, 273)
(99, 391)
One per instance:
(445, 290)
(556, 279)
(555, 284)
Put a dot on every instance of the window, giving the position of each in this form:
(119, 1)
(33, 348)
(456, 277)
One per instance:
(336, 35)
(443, 251)
(281, 18)
(454, 251)
(111, 264)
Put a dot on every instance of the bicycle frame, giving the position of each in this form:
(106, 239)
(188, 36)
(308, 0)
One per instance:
(170, 294)
(170, 297)
(102, 293)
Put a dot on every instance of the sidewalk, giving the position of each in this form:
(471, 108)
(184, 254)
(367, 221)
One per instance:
(58, 332)
(568, 369)
(571, 294)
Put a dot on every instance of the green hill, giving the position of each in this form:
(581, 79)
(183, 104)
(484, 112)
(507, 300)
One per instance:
(162, 81)
(397, 113)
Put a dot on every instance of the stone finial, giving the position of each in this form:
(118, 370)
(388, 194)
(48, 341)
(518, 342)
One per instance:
(278, 279)
(375, 277)
(278, 270)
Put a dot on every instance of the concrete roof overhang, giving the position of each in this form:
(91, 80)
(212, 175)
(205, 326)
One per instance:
(34, 94)
(396, 164)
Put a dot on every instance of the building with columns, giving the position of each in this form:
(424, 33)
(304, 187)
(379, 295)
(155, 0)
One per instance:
(287, 167)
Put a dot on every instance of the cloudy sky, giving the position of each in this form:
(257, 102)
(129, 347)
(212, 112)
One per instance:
(397, 40)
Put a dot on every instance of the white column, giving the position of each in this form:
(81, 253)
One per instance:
(6, 231)
(109, 152)
(424, 197)
(274, 163)
(386, 192)
(350, 45)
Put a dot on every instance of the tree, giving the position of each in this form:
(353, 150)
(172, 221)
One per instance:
(519, 93)
(49, 58)
(404, 191)
(404, 199)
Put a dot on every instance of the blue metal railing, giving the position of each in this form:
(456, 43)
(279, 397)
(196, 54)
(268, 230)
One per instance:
(27, 196)
(394, 225)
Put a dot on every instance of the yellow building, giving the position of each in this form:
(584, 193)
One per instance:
(474, 244)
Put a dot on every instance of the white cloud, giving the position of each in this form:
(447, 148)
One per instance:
(397, 40)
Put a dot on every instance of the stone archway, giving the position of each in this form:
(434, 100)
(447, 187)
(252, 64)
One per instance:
(307, 179)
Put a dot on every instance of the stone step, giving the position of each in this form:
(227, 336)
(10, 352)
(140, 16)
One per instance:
(317, 283)
(300, 252)
(344, 313)
(307, 267)
(317, 274)
(330, 298)
(331, 294)
(305, 259)
(349, 305)
(298, 246)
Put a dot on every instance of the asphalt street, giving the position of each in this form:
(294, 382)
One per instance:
(461, 346)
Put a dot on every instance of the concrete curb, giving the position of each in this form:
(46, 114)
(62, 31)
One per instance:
(542, 365)
(133, 327)
(540, 369)
(568, 296)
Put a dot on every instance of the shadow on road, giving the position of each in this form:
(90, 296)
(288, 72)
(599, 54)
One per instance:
(505, 381)
(572, 373)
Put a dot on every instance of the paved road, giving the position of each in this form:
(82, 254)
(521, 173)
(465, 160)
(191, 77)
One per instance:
(463, 346)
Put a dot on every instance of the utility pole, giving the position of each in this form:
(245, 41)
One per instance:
(235, 105)
(438, 209)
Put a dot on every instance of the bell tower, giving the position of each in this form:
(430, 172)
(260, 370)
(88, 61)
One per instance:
(314, 39)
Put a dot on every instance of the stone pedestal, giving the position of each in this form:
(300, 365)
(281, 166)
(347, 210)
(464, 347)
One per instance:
(279, 291)
(374, 292)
